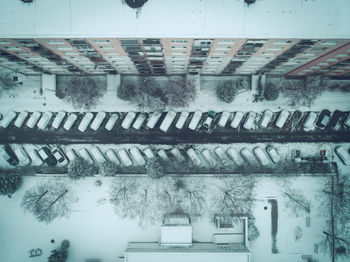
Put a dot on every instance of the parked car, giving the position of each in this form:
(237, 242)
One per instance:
(58, 119)
(191, 153)
(177, 154)
(182, 119)
(247, 155)
(112, 156)
(237, 159)
(129, 118)
(8, 118)
(21, 118)
(209, 120)
(98, 120)
(195, 120)
(334, 122)
(237, 119)
(221, 154)
(137, 156)
(310, 121)
(141, 118)
(23, 158)
(282, 118)
(153, 119)
(168, 120)
(265, 119)
(97, 155)
(47, 157)
(347, 121)
(343, 155)
(33, 119)
(261, 156)
(36, 159)
(85, 121)
(61, 158)
(70, 121)
(111, 121)
(249, 121)
(323, 119)
(209, 158)
(148, 152)
(44, 120)
(163, 155)
(273, 154)
(124, 157)
(224, 117)
(8, 154)
(293, 121)
(71, 155)
(84, 154)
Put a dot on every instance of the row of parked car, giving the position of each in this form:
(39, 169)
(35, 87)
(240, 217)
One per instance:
(195, 121)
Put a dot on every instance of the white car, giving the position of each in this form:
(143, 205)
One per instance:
(124, 157)
(85, 121)
(86, 156)
(98, 120)
(182, 119)
(148, 152)
(191, 153)
(128, 120)
(209, 158)
(247, 155)
(70, 121)
(265, 119)
(282, 118)
(153, 119)
(343, 155)
(235, 156)
(22, 156)
(139, 121)
(112, 121)
(261, 156)
(44, 120)
(112, 156)
(60, 156)
(224, 117)
(21, 118)
(36, 159)
(58, 119)
(33, 119)
(220, 152)
(249, 121)
(177, 154)
(8, 118)
(97, 155)
(237, 119)
(71, 155)
(273, 154)
(195, 120)
(163, 155)
(137, 156)
(168, 120)
(310, 121)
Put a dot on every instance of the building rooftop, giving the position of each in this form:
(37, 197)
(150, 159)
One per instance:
(181, 18)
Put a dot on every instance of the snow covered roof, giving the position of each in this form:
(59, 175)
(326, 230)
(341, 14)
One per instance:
(176, 19)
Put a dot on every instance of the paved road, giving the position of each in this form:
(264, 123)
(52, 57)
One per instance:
(119, 136)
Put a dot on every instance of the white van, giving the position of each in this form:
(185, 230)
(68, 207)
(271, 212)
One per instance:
(86, 156)
(342, 154)
(112, 156)
(237, 119)
(112, 121)
(220, 152)
(124, 157)
(97, 155)
(148, 152)
(139, 121)
(249, 121)
(58, 119)
(36, 159)
(21, 118)
(128, 120)
(153, 119)
(85, 121)
(261, 156)
(182, 119)
(237, 159)
(8, 118)
(137, 156)
(177, 154)
(191, 153)
(265, 119)
(195, 120)
(33, 119)
(163, 155)
(71, 155)
(225, 115)
(70, 121)
(45, 120)
(168, 120)
(22, 156)
(98, 120)
(282, 118)
(273, 154)
(310, 121)
(209, 158)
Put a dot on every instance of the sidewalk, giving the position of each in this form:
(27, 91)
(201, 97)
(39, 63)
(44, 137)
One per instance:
(28, 97)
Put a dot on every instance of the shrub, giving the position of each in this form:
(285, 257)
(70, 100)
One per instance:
(154, 167)
(271, 92)
(80, 168)
(9, 184)
(65, 244)
(127, 91)
(226, 91)
(180, 91)
(60, 255)
(108, 168)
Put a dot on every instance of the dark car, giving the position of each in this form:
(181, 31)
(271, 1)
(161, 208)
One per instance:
(7, 153)
(335, 119)
(47, 157)
(294, 121)
(323, 119)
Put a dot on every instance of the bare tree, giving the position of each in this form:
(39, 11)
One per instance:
(47, 201)
(180, 91)
(296, 202)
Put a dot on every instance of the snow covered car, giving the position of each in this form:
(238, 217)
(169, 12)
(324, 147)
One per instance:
(8, 118)
(310, 121)
(112, 156)
(36, 159)
(261, 156)
(249, 121)
(153, 119)
(224, 117)
(137, 156)
(97, 155)
(33, 119)
(124, 157)
(98, 120)
(209, 120)
(237, 159)
(70, 121)
(343, 155)
(46, 156)
(182, 119)
(148, 152)
(237, 119)
(44, 120)
(85, 121)
(58, 119)
(177, 154)
(7, 153)
(163, 155)
(195, 120)
(273, 154)
(21, 118)
(141, 118)
(129, 118)
(168, 120)
(221, 154)
(265, 119)
(111, 121)
(22, 156)
(247, 155)
(209, 158)
(71, 155)
(86, 156)
(282, 118)
(323, 119)
(60, 156)
(191, 153)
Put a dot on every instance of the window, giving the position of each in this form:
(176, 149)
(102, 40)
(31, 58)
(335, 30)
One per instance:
(222, 48)
(3, 42)
(111, 53)
(178, 53)
(13, 48)
(101, 41)
(178, 41)
(70, 53)
(153, 48)
(330, 43)
(179, 47)
(332, 60)
(203, 42)
(64, 48)
(282, 42)
(323, 64)
(55, 42)
(342, 55)
(226, 41)
(106, 47)
(274, 49)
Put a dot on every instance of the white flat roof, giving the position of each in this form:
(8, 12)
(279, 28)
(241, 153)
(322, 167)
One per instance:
(180, 18)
